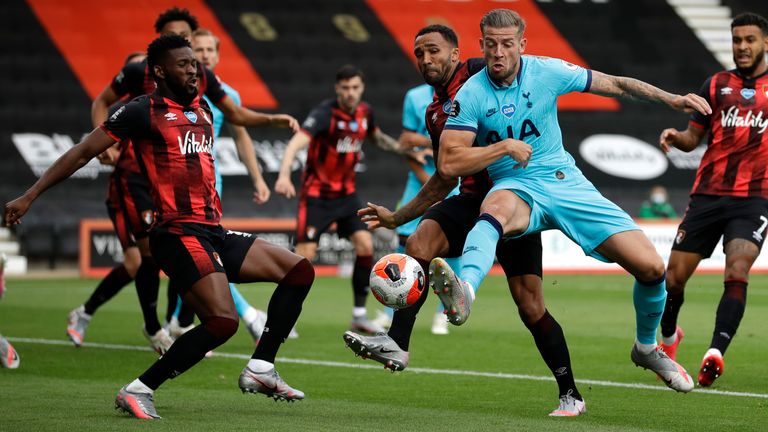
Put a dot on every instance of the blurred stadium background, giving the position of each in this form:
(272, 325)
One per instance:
(282, 56)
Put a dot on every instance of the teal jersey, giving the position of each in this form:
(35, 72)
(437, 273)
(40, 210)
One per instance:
(525, 110)
(218, 122)
(218, 116)
(415, 106)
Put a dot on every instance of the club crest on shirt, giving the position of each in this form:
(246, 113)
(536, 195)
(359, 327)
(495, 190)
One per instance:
(747, 93)
(205, 116)
(455, 109)
(447, 106)
(147, 216)
(508, 110)
(191, 116)
(765, 90)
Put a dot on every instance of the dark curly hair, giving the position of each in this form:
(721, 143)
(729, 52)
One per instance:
(175, 14)
(749, 18)
(160, 46)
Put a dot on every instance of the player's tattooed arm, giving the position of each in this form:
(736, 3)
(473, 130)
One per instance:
(376, 216)
(682, 140)
(633, 89)
(66, 165)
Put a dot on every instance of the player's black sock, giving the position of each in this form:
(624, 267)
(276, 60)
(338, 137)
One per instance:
(173, 299)
(108, 287)
(550, 341)
(404, 319)
(361, 276)
(147, 287)
(729, 313)
(284, 309)
(189, 349)
(671, 310)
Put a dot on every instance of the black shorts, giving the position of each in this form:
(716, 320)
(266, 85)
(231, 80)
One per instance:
(708, 217)
(200, 251)
(457, 215)
(129, 204)
(317, 214)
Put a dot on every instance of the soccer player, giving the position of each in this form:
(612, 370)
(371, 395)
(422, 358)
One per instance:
(335, 131)
(206, 47)
(445, 225)
(135, 80)
(130, 209)
(729, 198)
(510, 110)
(171, 133)
(415, 135)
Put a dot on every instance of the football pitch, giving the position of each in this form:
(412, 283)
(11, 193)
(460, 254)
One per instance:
(485, 375)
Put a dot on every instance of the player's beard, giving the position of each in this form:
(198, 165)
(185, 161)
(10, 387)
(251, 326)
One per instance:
(183, 93)
(748, 71)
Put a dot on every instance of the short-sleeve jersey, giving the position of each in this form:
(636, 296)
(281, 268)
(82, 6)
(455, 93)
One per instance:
(736, 158)
(415, 106)
(336, 140)
(218, 116)
(135, 80)
(526, 110)
(173, 145)
(437, 115)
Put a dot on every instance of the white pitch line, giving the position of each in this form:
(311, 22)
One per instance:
(497, 375)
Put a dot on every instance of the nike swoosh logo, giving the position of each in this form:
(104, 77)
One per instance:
(386, 350)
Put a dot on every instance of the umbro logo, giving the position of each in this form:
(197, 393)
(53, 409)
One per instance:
(726, 91)
(490, 112)
(170, 116)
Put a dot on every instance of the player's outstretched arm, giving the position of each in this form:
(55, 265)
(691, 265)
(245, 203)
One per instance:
(682, 140)
(284, 185)
(71, 161)
(630, 88)
(458, 157)
(241, 116)
(247, 156)
(411, 139)
(436, 188)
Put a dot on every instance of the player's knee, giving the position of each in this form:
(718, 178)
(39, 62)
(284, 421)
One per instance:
(301, 274)
(652, 271)
(739, 269)
(418, 249)
(132, 265)
(222, 328)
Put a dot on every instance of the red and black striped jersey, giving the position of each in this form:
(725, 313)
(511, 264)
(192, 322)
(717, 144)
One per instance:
(337, 138)
(736, 158)
(437, 115)
(174, 149)
(135, 80)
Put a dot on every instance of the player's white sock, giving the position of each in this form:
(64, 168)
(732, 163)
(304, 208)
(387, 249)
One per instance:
(669, 340)
(358, 312)
(645, 348)
(713, 351)
(250, 315)
(260, 365)
(136, 386)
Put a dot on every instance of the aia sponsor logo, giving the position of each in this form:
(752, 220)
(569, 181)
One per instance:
(195, 143)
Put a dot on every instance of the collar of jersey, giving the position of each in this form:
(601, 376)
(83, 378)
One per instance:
(498, 86)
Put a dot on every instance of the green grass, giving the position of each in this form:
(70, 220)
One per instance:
(59, 387)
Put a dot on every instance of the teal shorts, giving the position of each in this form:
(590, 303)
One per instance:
(564, 199)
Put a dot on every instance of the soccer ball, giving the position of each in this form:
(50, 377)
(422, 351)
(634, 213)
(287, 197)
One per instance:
(397, 281)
